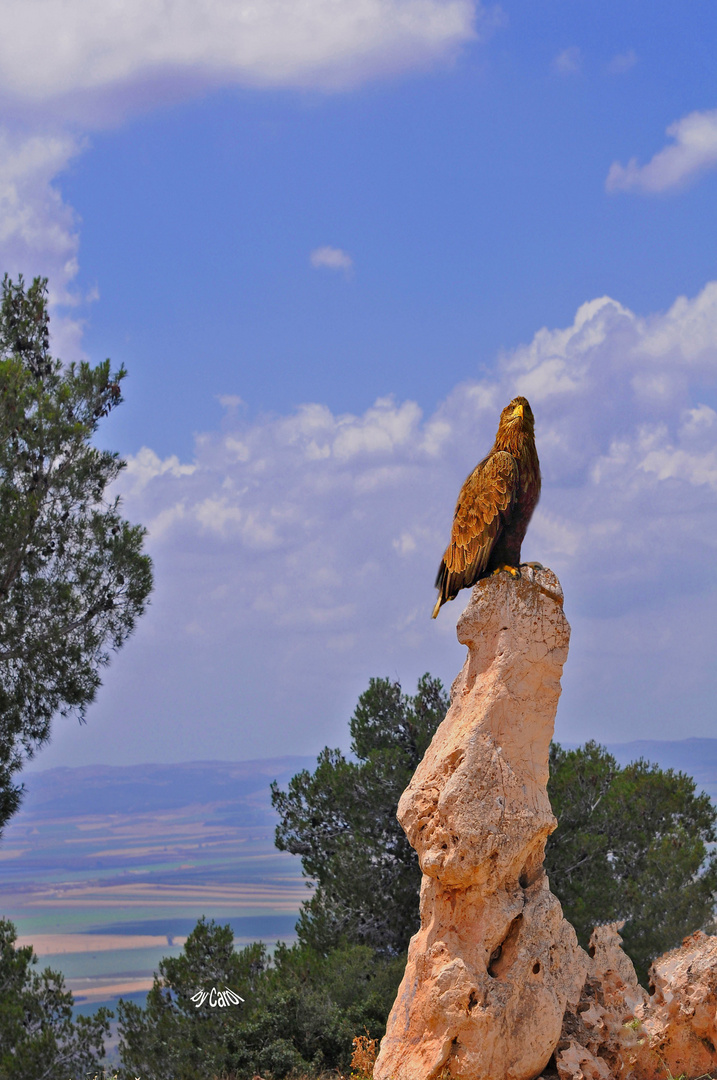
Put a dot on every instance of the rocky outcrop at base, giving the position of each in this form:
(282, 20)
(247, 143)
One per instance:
(679, 1022)
(618, 1032)
(599, 1037)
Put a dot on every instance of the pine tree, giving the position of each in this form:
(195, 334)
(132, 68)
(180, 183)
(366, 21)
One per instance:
(73, 578)
(341, 820)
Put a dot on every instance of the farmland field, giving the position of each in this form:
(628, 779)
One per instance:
(105, 870)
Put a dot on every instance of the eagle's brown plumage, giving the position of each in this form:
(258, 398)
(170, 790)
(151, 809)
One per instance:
(494, 506)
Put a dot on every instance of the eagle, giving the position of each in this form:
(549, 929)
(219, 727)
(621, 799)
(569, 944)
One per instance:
(494, 507)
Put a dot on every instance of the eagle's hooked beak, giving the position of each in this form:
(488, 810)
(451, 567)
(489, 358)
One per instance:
(518, 411)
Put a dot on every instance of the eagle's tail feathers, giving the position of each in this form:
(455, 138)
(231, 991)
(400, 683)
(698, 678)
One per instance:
(449, 583)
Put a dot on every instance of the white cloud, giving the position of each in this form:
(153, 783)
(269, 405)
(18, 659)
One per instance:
(238, 448)
(331, 258)
(560, 362)
(145, 465)
(671, 463)
(693, 151)
(216, 514)
(569, 61)
(165, 519)
(622, 62)
(33, 218)
(382, 429)
(685, 334)
(95, 56)
(66, 65)
(38, 231)
(698, 424)
(306, 545)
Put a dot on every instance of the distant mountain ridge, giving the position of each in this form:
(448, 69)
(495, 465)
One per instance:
(85, 789)
(696, 757)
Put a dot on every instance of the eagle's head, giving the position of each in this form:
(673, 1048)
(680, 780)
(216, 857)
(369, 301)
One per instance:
(516, 422)
(518, 414)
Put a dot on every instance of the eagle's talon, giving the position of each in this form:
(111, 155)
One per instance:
(534, 565)
(514, 571)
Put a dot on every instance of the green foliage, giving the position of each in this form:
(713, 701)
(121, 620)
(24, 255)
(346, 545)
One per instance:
(341, 820)
(631, 844)
(39, 1040)
(314, 1005)
(171, 1036)
(73, 579)
(301, 1010)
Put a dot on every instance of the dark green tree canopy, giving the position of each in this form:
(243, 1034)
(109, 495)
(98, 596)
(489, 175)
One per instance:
(39, 1040)
(341, 820)
(73, 578)
(170, 1036)
(300, 1012)
(632, 844)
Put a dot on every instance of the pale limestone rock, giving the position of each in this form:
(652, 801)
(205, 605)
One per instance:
(679, 1022)
(494, 965)
(600, 1035)
(578, 1063)
(614, 973)
(617, 1027)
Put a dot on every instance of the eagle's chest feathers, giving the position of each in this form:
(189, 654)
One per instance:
(528, 478)
(522, 448)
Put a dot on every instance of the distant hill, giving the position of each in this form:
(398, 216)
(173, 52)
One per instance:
(105, 832)
(238, 791)
(132, 789)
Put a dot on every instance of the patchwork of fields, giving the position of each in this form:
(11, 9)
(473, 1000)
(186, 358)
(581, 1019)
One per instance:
(105, 870)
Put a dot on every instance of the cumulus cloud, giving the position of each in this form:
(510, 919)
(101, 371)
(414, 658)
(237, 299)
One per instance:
(331, 258)
(692, 152)
(306, 545)
(569, 61)
(33, 218)
(89, 56)
(146, 465)
(38, 231)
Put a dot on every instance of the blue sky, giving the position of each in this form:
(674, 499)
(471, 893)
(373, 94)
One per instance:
(329, 240)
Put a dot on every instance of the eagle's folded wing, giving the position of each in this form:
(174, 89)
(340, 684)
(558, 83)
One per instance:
(486, 497)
